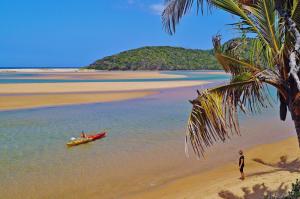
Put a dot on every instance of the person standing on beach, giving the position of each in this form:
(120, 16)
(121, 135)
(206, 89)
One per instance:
(242, 164)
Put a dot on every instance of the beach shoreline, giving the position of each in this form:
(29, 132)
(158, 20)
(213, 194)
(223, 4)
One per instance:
(267, 171)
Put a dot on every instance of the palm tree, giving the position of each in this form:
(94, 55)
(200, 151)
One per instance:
(273, 26)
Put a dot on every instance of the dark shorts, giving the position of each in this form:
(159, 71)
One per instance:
(242, 169)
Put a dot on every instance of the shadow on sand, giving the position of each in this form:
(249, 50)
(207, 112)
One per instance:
(282, 165)
(258, 191)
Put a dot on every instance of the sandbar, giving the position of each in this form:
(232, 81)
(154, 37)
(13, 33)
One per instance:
(21, 96)
(48, 100)
(31, 88)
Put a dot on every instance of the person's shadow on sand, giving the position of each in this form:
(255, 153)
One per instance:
(283, 165)
(259, 191)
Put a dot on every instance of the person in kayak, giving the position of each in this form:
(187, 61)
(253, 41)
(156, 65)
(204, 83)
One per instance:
(83, 135)
(242, 164)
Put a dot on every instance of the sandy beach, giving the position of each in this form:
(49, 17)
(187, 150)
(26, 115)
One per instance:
(267, 171)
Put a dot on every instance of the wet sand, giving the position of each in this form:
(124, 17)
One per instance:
(46, 100)
(92, 87)
(15, 96)
(267, 171)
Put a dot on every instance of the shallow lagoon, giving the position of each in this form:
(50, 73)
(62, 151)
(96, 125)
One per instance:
(144, 148)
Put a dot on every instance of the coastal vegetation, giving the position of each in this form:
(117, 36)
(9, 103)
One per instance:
(273, 59)
(158, 58)
(295, 192)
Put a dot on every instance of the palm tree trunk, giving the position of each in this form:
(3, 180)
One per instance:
(295, 113)
(297, 126)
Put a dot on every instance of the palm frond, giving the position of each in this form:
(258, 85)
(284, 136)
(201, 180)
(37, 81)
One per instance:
(262, 55)
(266, 20)
(176, 9)
(231, 61)
(290, 39)
(286, 7)
(294, 7)
(237, 8)
(214, 115)
(234, 65)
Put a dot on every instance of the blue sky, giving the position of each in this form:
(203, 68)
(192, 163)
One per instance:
(65, 33)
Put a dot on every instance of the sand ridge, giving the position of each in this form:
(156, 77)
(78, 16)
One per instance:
(32, 95)
(14, 102)
(30, 88)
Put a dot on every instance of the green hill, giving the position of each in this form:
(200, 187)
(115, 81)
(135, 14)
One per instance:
(170, 58)
(158, 58)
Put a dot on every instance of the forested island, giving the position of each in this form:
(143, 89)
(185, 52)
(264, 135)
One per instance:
(170, 58)
(158, 58)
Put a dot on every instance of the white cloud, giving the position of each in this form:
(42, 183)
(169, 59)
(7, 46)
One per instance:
(157, 8)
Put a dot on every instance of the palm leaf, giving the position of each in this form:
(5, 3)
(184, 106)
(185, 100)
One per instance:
(238, 9)
(214, 115)
(232, 63)
(262, 55)
(266, 20)
(176, 9)
(295, 5)
(290, 39)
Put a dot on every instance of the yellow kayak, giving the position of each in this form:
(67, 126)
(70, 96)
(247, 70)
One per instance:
(78, 141)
